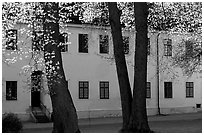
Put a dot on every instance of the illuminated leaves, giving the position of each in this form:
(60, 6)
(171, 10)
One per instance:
(166, 16)
(175, 16)
(188, 56)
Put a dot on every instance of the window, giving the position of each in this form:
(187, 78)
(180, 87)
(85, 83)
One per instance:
(168, 89)
(189, 48)
(63, 39)
(83, 89)
(104, 90)
(198, 105)
(167, 47)
(104, 43)
(83, 43)
(189, 89)
(148, 90)
(11, 36)
(11, 90)
(126, 44)
(148, 47)
(37, 43)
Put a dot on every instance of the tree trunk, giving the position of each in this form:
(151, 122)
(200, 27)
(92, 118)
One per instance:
(123, 79)
(139, 121)
(64, 113)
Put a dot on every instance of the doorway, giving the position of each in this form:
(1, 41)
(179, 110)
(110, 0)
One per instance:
(36, 78)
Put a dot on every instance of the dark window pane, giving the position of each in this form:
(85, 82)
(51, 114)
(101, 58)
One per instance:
(106, 93)
(83, 43)
(189, 47)
(167, 47)
(11, 36)
(83, 90)
(11, 90)
(168, 89)
(189, 89)
(104, 90)
(104, 43)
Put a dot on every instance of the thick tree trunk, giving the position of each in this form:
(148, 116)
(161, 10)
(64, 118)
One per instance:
(139, 121)
(123, 79)
(64, 113)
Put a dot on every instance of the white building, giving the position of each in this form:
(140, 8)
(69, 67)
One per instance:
(91, 74)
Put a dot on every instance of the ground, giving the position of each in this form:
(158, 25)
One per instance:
(177, 123)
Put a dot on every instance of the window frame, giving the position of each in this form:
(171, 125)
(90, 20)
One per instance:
(82, 42)
(167, 46)
(104, 89)
(104, 44)
(189, 89)
(13, 92)
(168, 90)
(189, 49)
(14, 40)
(83, 89)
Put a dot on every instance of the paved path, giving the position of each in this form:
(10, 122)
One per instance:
(175, 123)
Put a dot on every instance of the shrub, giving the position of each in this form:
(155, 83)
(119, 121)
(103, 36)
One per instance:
(11, 123)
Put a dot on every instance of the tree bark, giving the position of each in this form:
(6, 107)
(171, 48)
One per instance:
(122, 72)
(64, 113)
(139, 121)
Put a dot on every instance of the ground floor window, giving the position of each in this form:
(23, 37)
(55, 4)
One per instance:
(168, 89)
(104, 90)
(83, 89)
(189, 89)
(11, 90)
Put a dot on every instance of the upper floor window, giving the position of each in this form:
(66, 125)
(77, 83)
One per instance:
(83, 43)
(37, 43)
(168, 89)
(83, 89)
(189, 47)
(11, 36)
(104, 43)
(148, 90)
(63, 39)
(167, 47)
(11, 90)
(126, 44)
(189, 89)
(104, 90)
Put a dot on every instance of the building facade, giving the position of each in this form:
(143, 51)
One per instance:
(88, 62)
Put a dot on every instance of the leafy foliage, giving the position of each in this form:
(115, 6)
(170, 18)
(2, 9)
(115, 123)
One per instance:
(175, 16)
(11, 123)
(188, 56)
(165, 16)
(71, 12)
